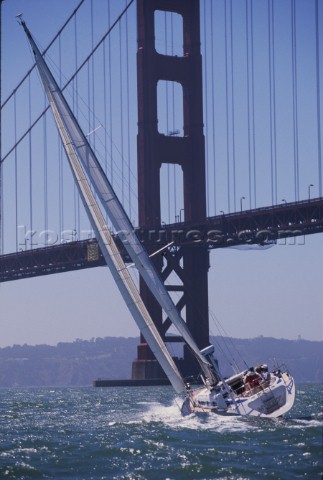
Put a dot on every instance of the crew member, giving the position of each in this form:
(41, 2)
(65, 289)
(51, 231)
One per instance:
(252, 379)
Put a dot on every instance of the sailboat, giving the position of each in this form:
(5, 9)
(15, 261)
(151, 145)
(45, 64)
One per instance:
(253, 392)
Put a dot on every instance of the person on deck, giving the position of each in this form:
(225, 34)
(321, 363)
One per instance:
(251, 380)
(262, 370)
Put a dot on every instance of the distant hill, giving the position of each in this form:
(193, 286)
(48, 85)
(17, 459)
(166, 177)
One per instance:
(80, 362)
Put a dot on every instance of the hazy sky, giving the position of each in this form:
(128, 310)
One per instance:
(276, 292)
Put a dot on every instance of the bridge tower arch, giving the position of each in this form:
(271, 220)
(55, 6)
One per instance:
(191, 264)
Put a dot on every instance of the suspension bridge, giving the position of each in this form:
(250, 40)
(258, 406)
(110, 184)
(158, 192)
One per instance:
(206, 117)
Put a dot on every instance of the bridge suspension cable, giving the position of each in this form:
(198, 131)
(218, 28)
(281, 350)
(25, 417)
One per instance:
(295, 98)
(248, 97)
(272, 101)
(318, 93)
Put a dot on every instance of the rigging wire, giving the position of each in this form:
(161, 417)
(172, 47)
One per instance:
(226, 340)
(225, 344)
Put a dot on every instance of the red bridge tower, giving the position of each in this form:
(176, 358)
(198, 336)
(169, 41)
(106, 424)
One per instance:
(154, 149)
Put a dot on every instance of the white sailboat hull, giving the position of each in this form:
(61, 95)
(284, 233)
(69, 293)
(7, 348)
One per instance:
(272, 399)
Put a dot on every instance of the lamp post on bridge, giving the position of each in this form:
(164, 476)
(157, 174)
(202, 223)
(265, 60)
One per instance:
(309, 191)
(241, 198)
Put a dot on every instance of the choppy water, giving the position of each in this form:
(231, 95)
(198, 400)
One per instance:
(138, 433)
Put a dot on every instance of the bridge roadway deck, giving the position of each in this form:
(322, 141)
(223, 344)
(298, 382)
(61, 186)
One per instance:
(258, 226)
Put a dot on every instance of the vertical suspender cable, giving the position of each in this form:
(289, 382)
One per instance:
(105, 106)
(92, 74)
(121, 113)
(207, 156)
(173, 114)
(295, 103)
(318, 99)
(233, 110)
(60, 152)
(16, 169)
(272, 109)
(45, 172)
(110, 98)
(274, 100)
(76, 193)
(89, 97)
(253, 108)
(270, 102)
(227, 103)
(248, 103)
(105, 100)
(30, 168)
(167, 120)
(128, 116)
(213, 109)
(1, 170)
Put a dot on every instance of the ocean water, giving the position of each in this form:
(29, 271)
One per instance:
(138, 433)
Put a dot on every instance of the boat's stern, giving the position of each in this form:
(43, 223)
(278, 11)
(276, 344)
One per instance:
(272, 401)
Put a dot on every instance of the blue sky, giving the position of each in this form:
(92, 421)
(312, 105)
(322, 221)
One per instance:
(276, 292)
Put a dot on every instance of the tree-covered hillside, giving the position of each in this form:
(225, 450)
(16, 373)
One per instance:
(82, 361)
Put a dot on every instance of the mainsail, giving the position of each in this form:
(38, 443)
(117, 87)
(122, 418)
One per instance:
(77, 141)
(106, 241)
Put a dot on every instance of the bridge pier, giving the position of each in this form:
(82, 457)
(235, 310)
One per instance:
(190, 264)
